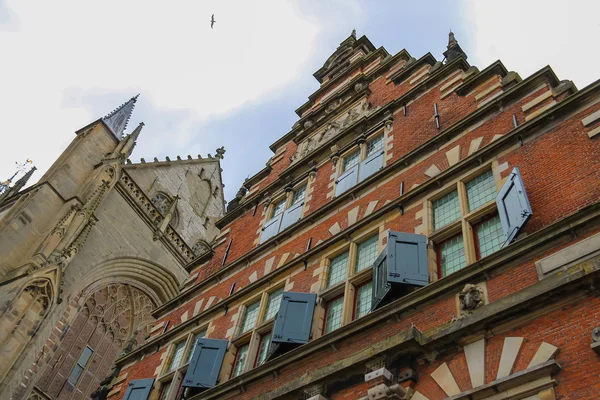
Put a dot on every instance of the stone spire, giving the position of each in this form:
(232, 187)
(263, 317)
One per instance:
(453, 50)
(18, 185)
(125, 148)
(118, 119)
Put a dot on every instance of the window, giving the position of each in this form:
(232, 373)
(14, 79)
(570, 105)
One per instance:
(273, 304)
(174, 370)
(240, 360)
(337, 270)
(359, 164)
(250, 317)
(489, 236)
(177, 356)
(351, 160)
(263, 349)
(362, 302)
(284, 212)
(366, 253)
(347, 287)
(79, 367)
(333, 314)
(466, 225)
(253, 340)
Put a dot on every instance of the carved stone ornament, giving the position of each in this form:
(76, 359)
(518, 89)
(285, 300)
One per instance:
(471, 298)
(360, 86)
(333, 105)
(308, 124)
(596, 335)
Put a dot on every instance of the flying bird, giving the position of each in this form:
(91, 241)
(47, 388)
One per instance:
(212, 21)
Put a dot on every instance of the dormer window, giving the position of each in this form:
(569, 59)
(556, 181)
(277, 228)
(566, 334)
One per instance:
(284, 212)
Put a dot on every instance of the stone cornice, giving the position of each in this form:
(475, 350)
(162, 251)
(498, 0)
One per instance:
(529, 246)
(507, 140)
(403, 73)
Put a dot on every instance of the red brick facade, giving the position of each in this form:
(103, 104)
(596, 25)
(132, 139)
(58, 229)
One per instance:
(488, 120)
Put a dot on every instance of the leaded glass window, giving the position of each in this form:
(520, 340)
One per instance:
(263, 348)
(363, 300)
(490, 236)
(337, 269)
(375, 145)
(273, 304)
(366, 253)
(250, 317)
(240, 361)
(351, 160)
(177, 356)
(481, 190)
(446, 210)
(451, 254)
(333, 317)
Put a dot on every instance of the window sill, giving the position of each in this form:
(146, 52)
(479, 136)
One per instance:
(332, 292)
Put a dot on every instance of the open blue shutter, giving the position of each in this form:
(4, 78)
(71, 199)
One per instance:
(205, 365)
(271, 228)
(346, 180)
(371, 165)
(513, 206)
(294, 318)
(381, 287)
(402, 264)
(291, 215)
(407, 258)
(139, 389)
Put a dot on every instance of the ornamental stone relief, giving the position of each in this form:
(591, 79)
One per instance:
(362, 109)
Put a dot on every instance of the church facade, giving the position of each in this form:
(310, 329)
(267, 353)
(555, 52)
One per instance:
(426, 230)
(90, 251)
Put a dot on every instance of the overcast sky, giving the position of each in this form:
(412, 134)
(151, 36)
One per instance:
(66, 63)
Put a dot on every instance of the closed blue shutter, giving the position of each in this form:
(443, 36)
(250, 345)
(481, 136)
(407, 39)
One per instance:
(407, 257)
(271, 228)
(402, 264)
(139, 389)
(513, 206)
(291, 215)
(371, 165)
(294, 319)
(346, 180)
(205, 365)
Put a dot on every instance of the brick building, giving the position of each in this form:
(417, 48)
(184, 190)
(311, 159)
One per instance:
(426, 230)
(90, 250)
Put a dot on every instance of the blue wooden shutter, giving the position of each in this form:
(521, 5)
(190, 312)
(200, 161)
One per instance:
(139, 389)
(371, 165)
(271, 228)
(407, 258)
(291, 215)
(205, 365)
(346, 180)
(513, 206)
(294, 318)
(381, 287)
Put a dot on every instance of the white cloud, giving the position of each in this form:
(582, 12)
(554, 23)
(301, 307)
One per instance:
(56, 56)
(528, 35)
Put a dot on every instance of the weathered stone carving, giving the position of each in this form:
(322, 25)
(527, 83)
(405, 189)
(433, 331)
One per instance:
(332, 129)
(471, 298)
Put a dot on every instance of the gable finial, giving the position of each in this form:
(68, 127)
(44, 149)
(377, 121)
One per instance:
(117, 120)
(353, 34)
(453, 50)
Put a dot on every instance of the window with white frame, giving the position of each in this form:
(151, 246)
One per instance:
(179, 354)
(347, 287)
(359, 163)
(284, 212)
(466, 225)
